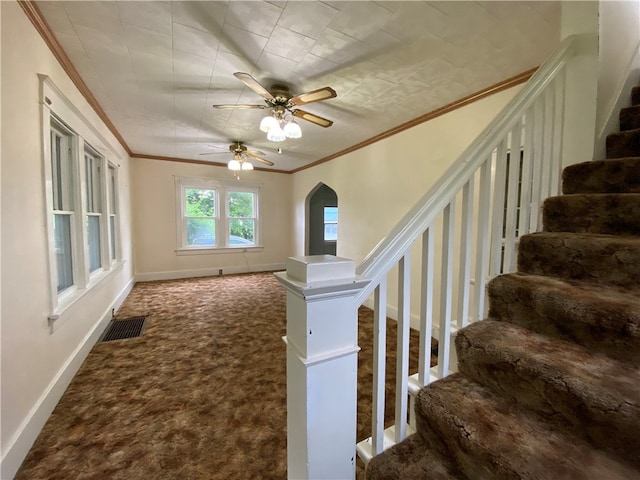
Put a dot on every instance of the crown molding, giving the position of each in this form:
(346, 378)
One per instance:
(34, 14)
(463, 102)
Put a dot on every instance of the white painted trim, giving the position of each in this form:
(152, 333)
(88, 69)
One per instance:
(21, 442)
(622, 100)
(208, 272)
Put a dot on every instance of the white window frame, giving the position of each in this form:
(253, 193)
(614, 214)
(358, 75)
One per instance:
(59, 114)
(221, 219)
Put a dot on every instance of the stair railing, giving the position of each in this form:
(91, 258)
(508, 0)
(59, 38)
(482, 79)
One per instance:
(474, 215)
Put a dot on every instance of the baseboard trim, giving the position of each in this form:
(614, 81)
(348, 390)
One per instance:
(207, 272)
(31, 427)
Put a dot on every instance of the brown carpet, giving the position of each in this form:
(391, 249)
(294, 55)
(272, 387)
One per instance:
(202, 395)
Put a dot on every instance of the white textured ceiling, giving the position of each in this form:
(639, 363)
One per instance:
(157, 67)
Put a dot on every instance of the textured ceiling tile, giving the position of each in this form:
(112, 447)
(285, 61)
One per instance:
(194, 41)
(242, 43)
(205, 16)
(96, 15)
(288, 44)
(307, 18)
(148, 41)
(97, 42)
(275, 66)
(259, 18)
(313, 66)
(151, 66)
(151, 15)
(408, 20)
(360, 19)
(56, 16)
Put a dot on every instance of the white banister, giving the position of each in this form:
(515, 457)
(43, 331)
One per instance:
(470, 222)
(322, 360)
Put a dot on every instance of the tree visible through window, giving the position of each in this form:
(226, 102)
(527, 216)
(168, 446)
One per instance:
(200, 213)
(215, 215)
(241, 218)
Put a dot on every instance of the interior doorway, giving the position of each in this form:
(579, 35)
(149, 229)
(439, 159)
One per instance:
(322, 221)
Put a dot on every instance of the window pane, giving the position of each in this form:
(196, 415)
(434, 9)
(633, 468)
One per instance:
(201, 232)
(93, 237)
(93, 167)
(64, 263)
(112, 190)
(242, 231)
(112, 235)
(241, 205)
(199, 202)
(61, 169)
(330, 214)
(331, 232)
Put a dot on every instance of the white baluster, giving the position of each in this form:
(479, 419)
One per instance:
(446, 283)
(464, 268)
(402, 359)
(499, 181)
(426, 308)
(379, 363)
(482, 245)
(512, 199)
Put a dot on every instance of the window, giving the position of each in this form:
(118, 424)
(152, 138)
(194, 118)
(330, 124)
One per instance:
(81, 187)
(330, 224)
(62, 175)
(214, 215)
(93, 199)
(113, 212)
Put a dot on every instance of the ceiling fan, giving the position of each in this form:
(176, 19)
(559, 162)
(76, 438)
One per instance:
(280, 100)
(241, 157)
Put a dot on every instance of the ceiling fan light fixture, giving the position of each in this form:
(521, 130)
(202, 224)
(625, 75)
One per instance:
(292, 130)
(276, 134)
(247, 166)
(234, 165)
(267, 123)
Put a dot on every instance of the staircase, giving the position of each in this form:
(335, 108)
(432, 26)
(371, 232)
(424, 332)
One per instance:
(548, 386)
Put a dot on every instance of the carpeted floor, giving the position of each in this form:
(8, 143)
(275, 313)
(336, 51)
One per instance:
(202, 395)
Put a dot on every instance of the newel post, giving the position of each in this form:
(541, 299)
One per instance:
(322, 358)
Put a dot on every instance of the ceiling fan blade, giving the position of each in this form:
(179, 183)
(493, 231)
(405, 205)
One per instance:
(253, 84)
(240, 107)
(213, 153)
(313, 96)
(255, 152)
(310, 117)
(253, 157)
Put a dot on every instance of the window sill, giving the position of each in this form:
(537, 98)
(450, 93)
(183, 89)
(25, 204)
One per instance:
(217, 250)
(66, 300)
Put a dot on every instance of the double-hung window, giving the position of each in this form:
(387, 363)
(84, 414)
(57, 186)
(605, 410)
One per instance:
(93, 198)
(81, 186)
(215, 215)
(63, 204)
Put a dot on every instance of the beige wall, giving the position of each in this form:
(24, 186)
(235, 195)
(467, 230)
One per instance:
(378, 184)
(618, 66)
(155, 222)
(36, 365)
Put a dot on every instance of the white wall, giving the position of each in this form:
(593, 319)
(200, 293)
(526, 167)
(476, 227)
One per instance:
(619, 64)
(37, 365)
(378, 184)
(155, 226)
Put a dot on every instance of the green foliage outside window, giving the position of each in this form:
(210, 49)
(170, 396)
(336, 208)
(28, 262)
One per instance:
(241, 215)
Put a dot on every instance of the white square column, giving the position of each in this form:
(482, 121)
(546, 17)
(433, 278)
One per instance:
(322, 361)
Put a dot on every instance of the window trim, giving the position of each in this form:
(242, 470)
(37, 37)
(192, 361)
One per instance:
(57, 108)
(221, 188)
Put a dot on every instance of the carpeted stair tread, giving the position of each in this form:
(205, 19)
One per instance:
(601, 318)
(492, 437)
(630, 118)
(597, 395)
(412, 459)
(619, 175)
(593, 258)
(623, 144)
(608, 213)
